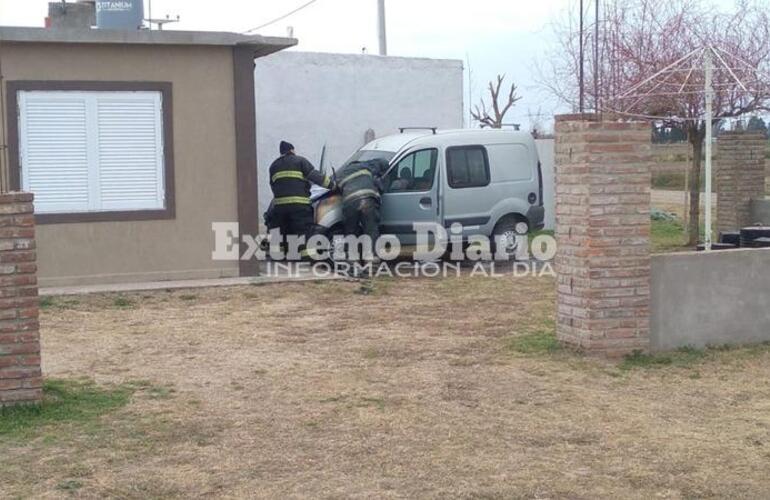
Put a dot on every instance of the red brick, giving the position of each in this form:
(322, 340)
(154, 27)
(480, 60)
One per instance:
(8, 361)
(19, 325)
(20, 373)
(603, 230)
(16, 197)
(17, 302)
(740, 177)
(21, 396)
(24, 220)
(19, 348)
(18, 280)
(17, 232)
(15, 208)
(9, 338)
(29, 360)
(27, 291)
(32, 382)
(28, 312)
(13, 372)
(10, 384)
(26, 267)
(17, 256)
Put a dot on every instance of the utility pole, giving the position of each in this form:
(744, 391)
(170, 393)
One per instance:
(709, 88)
(381, 32)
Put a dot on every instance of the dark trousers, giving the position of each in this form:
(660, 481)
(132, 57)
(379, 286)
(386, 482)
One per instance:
(294, 219)
(362, 216)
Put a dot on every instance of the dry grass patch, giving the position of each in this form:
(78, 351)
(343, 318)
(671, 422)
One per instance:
(422, 388)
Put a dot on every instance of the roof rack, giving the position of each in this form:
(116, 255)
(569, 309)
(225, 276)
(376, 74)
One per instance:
(433, 129)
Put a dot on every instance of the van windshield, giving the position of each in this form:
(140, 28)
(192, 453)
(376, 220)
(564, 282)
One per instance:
(371, 154)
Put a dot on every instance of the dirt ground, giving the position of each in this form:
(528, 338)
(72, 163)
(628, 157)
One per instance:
(314, 390)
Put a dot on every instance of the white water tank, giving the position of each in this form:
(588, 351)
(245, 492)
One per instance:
(119, 14)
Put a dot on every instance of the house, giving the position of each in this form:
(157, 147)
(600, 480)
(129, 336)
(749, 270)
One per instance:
(134, 143)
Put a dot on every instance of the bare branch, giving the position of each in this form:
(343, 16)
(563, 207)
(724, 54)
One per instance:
(643, 48)
(496, 119)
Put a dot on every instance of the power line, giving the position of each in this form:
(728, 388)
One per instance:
(281, 18)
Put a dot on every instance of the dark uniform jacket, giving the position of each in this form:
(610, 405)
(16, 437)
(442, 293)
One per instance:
(290, 178)
(359, 180)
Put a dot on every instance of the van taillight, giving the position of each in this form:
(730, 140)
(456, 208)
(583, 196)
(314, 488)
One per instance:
(540, 183)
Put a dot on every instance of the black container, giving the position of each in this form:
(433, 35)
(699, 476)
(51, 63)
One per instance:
(730, 237)
(751, 233)
(761, 243)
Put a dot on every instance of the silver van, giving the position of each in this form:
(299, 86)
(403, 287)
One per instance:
(487, 180)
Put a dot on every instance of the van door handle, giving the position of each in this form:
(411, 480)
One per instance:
(426, 202)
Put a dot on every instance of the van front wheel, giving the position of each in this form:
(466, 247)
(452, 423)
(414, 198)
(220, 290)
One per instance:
(506, 231)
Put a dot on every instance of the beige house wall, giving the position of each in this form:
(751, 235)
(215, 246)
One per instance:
(204, 164)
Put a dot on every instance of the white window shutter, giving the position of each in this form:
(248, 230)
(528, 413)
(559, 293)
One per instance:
(92, 151)
(54, 150)
(130, 151)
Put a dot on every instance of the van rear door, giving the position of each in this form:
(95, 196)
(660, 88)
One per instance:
(486, 182)
(410, 194)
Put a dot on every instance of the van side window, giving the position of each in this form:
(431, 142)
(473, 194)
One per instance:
(414, 172)
(515, 160)
(467, 166)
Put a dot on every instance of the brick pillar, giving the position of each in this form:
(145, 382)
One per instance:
(603, 174)
(20, 375)
(740, 176)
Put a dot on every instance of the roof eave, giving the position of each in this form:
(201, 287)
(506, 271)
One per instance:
(262, 45)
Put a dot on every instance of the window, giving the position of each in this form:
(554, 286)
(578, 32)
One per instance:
(92, 151)
(516, 162)
(467, 166)
(414, 172)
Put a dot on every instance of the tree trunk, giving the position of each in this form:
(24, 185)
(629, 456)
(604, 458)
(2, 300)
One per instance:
(693, 225)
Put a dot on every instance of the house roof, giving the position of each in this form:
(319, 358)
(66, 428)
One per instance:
(262, 45)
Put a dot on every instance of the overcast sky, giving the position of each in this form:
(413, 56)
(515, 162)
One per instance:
(499, 36)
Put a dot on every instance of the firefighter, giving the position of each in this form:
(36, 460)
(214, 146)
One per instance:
(361, 187)
(290, 179)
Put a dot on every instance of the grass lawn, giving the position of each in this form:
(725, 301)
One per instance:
(667, 236)
(421, 389)
(673, 181)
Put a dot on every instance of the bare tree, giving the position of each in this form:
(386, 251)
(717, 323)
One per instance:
(495, 120)
(640, 38)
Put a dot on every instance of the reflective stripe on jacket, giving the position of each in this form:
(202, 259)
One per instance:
(356, 180)
(290, 179)
(287, 174)
(353, 176)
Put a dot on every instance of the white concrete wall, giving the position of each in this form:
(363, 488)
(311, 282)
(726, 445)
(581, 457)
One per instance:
(700, 299)
(312, 99)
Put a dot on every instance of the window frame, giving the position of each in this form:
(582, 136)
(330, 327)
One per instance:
(466, 147)
(434, 150)
(164, 88)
